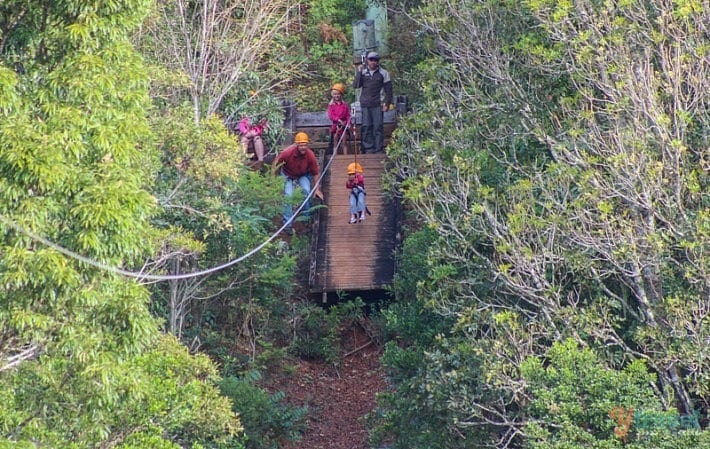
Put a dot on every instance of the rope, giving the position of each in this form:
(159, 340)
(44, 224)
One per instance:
(134, 274)
(154, 277)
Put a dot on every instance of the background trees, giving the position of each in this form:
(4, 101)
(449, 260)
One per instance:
(212, 63)
(82, 363)
(127, 160)
(216, 46)
(557, 163)
(560, 153)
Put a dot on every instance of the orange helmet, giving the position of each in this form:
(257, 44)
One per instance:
(301, 138)
(354, 167)
(340, 87)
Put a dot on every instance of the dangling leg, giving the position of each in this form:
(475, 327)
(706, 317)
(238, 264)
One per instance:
(360, 208)
(244, 140)
(340, 138)
(259, 148)
(305, 183)
(287, 208)
(353, 207)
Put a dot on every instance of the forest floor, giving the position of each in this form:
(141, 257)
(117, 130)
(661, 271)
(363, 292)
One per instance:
(338, 397)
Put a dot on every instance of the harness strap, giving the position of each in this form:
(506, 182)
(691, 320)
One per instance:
(357, 189)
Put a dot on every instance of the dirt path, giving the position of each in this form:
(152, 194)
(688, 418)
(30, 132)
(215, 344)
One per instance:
(338, 398)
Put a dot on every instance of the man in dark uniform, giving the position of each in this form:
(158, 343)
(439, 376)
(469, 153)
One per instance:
(374, 80)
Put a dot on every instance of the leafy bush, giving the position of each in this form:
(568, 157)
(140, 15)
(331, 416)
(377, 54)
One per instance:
(412, 415)
(243, 102)
(267, 422)
(579, 403)
(420, 412)
(318, 330)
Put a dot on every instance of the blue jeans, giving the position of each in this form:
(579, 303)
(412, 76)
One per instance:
(373, 130)
(357, 200)
(290, 187)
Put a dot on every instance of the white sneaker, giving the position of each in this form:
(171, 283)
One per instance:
(353, 220)
(362, 217)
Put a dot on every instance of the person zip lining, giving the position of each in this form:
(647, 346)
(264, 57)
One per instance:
(356, 184)
(297, 165)
(147, 277)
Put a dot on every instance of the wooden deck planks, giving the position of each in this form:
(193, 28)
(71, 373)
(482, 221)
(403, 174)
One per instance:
(344, 256)
(354, 256)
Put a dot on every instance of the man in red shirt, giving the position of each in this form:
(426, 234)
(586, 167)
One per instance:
(298, 165)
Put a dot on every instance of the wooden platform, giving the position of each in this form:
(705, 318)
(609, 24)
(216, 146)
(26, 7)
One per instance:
(348, 257)
(317, 126)
(359, 256)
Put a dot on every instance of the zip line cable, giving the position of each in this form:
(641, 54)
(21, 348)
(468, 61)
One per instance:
(170, 277)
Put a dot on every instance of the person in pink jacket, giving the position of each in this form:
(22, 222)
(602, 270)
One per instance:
(253, 133)
(339, 115)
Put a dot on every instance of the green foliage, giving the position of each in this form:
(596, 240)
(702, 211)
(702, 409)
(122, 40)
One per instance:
(325, 46)
(38, 35)
(82, 363)
(268, 423)
(203, 152)
(544, 176)
(316, 338)
(421, 410)
(317, 333)
(214, 210)
(334, 12)
(408, 57)
(579, 403)
(246, 101)
(157, 399)
(412, 263)
(413, 413)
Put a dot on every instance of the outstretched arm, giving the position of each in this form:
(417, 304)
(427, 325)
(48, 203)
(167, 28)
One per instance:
(318, 192)
(276, 166)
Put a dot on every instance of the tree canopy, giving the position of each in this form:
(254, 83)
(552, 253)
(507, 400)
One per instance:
(560, 157)
(82, 361)
(554, 278)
